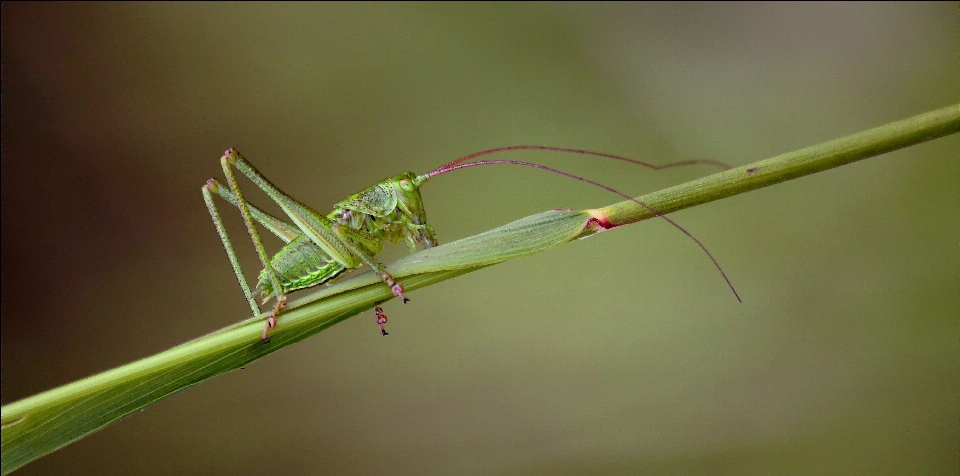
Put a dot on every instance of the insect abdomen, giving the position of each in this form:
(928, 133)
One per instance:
(300, 264)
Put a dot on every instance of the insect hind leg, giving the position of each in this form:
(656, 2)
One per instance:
(227, 245)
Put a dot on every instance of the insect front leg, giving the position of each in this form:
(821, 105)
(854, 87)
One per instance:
(361, 246)
(349, 236)
(417, 232)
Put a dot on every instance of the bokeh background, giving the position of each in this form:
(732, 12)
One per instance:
(620, 354)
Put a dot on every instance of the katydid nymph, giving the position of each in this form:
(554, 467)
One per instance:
(320, 248)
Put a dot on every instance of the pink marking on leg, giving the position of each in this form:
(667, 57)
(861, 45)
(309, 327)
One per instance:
(272, 320)
(271, 323)
(266, 331)
(398, 291)
(381, 320)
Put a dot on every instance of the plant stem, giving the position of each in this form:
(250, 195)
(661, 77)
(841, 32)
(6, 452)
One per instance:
(817, 158)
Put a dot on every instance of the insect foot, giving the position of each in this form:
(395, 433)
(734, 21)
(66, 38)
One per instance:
(271, 323)
(272, 320)
(381, 320)
(397, 289)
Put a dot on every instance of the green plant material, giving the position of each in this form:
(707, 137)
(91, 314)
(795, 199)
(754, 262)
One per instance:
(40, 424)
(806, 161)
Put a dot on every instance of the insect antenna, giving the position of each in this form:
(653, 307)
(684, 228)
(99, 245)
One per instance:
(648, 165)
(468, 161)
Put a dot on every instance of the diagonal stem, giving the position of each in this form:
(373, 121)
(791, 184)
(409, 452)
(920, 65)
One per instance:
(806, 161)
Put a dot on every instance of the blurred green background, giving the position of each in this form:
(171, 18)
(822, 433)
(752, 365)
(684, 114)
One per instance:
(625, 353)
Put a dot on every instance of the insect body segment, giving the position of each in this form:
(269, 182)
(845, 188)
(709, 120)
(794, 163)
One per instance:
(385, 210)
(392, 209)
(298, 265)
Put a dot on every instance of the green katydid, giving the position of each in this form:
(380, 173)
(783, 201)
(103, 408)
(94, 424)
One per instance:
(319, 248)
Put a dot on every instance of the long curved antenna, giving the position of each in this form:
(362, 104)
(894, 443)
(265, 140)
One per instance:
(462, 163)
(648, 165)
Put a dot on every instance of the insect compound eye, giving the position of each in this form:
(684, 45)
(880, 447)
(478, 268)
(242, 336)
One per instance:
(406, 185)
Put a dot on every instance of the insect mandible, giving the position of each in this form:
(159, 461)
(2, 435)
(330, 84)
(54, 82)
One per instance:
(320, 248)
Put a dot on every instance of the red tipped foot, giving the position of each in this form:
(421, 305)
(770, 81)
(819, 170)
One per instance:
(272, 320)
(381, 320)
(398, 291)
(271, 323)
